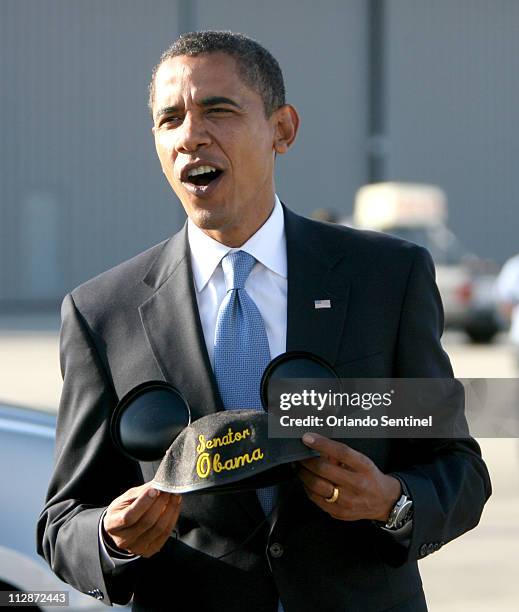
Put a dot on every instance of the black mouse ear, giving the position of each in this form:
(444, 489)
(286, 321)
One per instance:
(147, 420)
(294, 364)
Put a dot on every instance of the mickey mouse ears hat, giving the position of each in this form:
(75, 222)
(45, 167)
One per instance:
(228, 451)
(222, 452)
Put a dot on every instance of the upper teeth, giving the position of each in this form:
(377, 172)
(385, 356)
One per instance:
(201, 170)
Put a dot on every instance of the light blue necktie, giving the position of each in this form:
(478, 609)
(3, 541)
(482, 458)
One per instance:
(241, 347)
(241, 350)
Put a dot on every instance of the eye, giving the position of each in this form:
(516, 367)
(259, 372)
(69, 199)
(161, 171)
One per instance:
(219, 110)
(171, 121)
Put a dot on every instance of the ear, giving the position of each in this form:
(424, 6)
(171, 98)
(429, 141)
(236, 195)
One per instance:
(286, 121)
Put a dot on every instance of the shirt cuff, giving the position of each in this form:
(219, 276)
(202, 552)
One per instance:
(111, 558)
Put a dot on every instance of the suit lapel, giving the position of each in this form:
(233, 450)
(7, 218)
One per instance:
(172, 324)
(314, 273)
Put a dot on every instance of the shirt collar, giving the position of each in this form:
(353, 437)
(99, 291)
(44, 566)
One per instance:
(267, 245)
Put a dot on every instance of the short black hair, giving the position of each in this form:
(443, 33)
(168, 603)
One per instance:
(256, 66)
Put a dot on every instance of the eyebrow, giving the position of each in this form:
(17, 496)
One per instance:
(211, 101)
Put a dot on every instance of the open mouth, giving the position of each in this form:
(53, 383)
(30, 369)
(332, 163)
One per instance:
(203, 176)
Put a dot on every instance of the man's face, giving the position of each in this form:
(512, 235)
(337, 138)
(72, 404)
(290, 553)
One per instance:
(215, 144)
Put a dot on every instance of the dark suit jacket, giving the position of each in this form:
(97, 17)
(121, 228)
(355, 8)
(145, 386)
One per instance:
(140, 322)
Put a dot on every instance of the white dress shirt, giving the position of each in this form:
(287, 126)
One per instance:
(266, 285)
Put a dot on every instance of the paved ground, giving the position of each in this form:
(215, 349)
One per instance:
(477, 573)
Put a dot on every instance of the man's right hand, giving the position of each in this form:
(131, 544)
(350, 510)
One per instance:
(141, 520)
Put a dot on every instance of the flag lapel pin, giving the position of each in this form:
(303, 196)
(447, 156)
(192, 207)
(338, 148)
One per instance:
(322, 304)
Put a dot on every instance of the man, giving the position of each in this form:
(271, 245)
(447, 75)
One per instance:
(220, 119)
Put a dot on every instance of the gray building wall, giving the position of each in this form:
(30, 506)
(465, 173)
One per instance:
(453, 112)
(81, 189)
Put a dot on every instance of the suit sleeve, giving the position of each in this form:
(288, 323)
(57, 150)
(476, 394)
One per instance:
(89, 472)
(447, 479)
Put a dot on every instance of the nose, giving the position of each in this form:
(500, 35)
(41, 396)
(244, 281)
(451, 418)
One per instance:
(191, 135)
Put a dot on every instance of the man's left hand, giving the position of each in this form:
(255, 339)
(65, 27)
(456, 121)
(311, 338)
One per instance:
(364, 492)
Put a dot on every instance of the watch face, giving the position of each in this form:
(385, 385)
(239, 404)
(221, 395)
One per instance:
(404, 514)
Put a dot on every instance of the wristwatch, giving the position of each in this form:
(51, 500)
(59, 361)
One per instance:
(401, 514)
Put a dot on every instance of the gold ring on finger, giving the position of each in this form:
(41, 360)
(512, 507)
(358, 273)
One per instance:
(333, 497)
